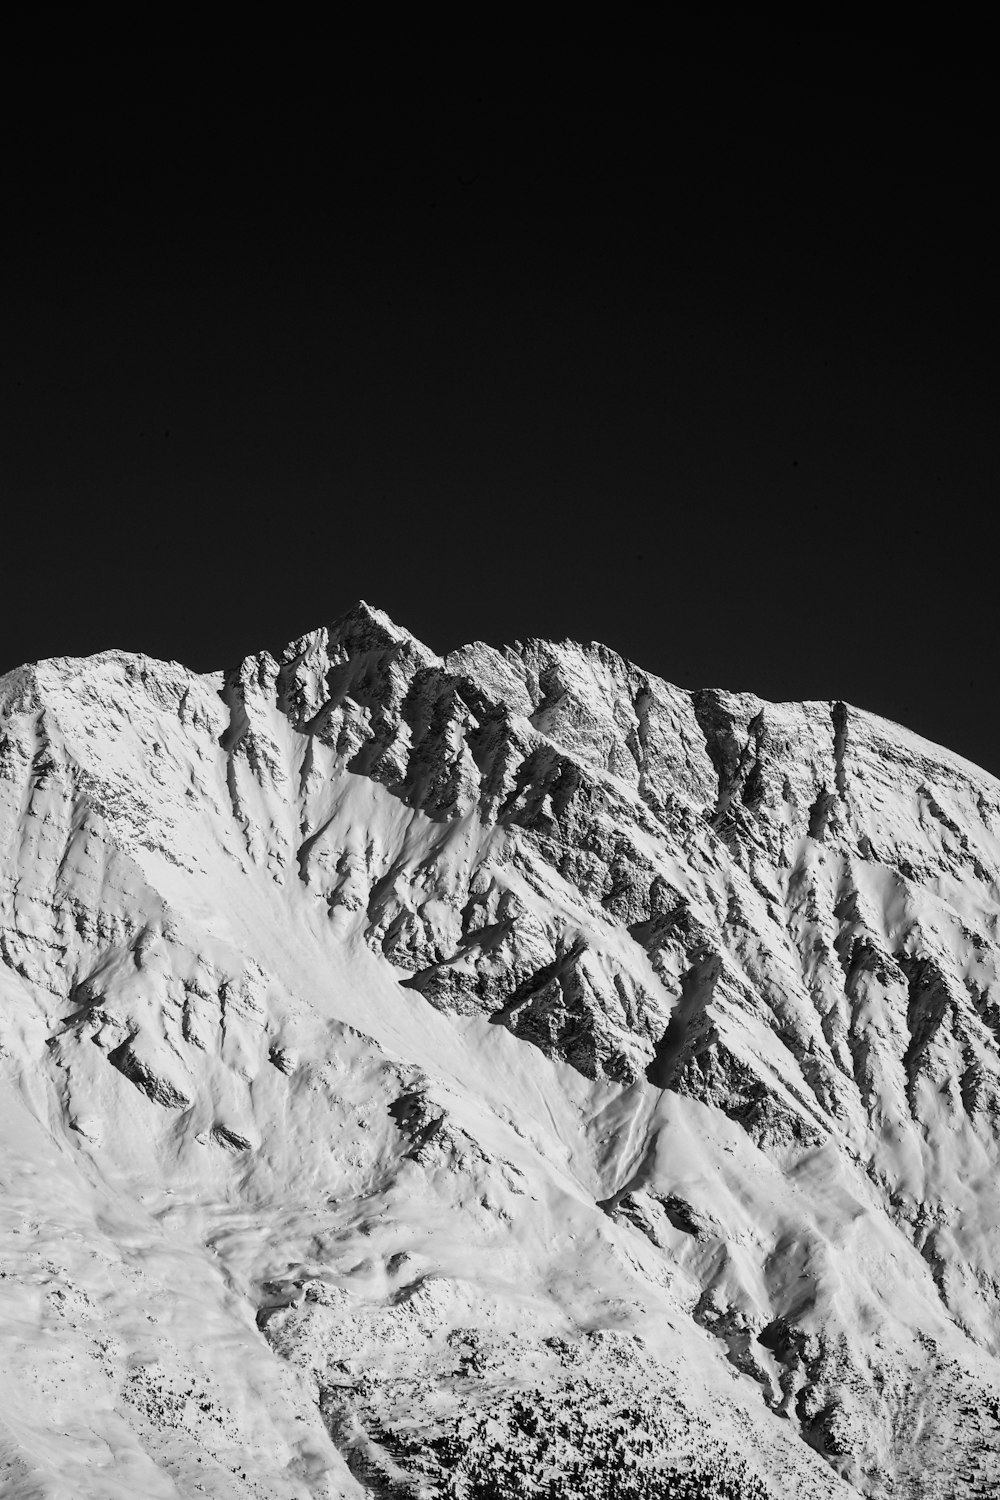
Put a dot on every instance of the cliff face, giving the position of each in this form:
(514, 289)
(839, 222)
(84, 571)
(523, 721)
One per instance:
(433, 1054)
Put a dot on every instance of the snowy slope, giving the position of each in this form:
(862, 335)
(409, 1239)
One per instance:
(433, 1075)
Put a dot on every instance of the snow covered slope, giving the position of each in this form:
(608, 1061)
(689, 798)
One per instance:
(490, 1075)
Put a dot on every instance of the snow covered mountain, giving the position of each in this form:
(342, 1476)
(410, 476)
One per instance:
(495, 1075)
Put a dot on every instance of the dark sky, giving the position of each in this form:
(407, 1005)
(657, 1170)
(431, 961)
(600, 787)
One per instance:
(691, 350)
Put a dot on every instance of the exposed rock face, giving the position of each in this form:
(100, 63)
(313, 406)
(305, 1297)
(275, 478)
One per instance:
(616, 1006)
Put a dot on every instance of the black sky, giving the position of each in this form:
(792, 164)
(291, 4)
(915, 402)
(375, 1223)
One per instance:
(691, 351)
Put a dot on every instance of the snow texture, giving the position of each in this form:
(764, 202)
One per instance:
(505, 1074)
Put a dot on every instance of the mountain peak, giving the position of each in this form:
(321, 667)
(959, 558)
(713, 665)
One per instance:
(363, 627)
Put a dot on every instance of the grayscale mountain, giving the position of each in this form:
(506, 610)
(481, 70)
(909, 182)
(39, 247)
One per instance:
(496, 1075)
